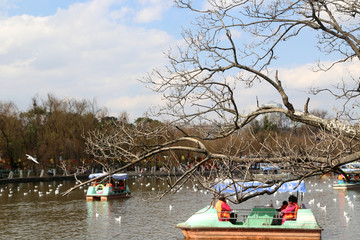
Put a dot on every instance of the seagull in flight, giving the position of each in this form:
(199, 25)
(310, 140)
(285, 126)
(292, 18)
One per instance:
(31, 158)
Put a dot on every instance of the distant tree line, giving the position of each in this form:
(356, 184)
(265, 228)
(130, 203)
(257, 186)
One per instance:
(51, 130)
(55, 130)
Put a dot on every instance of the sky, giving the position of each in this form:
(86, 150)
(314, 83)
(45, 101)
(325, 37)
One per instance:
(99, 49)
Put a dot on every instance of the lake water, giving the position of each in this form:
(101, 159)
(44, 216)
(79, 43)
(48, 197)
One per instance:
(26, 215)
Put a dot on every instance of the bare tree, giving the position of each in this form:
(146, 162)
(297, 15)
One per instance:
(205, 75)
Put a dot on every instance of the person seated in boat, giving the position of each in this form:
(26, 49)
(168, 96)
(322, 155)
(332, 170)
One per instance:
(277, 218)
(95, 183)
(290, 212)
(121, 185)
(224, 211)
(283, 206)
(110, 184)
(340, 178)
(357, 178)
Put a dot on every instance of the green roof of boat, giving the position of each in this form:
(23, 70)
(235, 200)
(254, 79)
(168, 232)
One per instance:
(258, 218)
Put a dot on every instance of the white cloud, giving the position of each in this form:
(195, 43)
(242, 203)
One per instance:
(151, 13)
(297, 82)
(96, 50)
(85, 51)
(135, 103)
(302, 77)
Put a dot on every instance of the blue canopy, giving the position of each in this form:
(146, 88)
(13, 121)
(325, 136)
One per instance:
(351, 167)
(227, 187)
(268, 167)
(117, 176)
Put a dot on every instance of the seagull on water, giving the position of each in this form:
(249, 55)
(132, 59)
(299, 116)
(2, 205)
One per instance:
(347, 219)
(31, 158)
(323, 208)
(118, 219)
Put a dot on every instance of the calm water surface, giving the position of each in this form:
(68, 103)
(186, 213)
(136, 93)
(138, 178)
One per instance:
(26, 215)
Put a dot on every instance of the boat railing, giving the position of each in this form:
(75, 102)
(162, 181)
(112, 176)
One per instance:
(251, 216)
(241, 214)
(266, 216)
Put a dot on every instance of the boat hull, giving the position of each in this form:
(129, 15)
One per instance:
(256, 224)
(251, 233)
(106, 194)
(346, 185)
(106, 198)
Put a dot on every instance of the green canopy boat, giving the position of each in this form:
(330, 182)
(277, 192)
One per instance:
(256, 224)
(115, 188)
(252, 224)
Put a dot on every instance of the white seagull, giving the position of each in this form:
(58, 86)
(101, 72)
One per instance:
(118, 219)
(31, 158)
(323, 208)
(347, 219)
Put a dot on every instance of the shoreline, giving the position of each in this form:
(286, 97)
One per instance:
(80, 177)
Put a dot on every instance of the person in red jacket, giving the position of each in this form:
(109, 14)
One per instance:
(121, 185)
(224, 211)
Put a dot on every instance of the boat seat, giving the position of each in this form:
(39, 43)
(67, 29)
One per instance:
(305, 218)
(260, 217)
(305, 215)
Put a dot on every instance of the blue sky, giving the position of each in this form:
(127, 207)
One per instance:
(36, 7)
(98, 49)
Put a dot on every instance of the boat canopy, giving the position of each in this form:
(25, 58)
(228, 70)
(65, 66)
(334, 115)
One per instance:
(228, 187)
(117, 176)
(268, 167)
(351, 167)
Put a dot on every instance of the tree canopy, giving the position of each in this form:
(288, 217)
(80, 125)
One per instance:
(206, 75)
(51, 130)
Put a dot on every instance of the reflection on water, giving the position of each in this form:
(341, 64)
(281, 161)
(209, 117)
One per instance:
(34, 210)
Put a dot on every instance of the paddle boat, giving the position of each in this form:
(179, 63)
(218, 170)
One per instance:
(346, 185)
(269, 171)
(353, 172)
(115, 187)
(268, 168)
(253, 223)
(343, 184)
